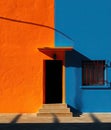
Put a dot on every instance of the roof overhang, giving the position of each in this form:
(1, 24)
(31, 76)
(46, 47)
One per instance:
(63, 49)
(55, 52)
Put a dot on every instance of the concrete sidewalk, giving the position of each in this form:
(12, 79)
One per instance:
(32, 118)
(89, 121)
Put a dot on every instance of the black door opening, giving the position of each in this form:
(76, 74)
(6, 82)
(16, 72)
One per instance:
(53, 81)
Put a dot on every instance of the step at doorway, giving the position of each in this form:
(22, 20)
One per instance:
(54, 111)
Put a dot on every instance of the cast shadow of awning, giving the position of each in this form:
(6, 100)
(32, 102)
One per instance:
(75, 58)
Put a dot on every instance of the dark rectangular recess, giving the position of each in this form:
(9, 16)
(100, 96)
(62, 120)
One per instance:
(53, 81)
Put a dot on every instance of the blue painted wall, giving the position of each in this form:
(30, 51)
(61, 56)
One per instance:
(88, 22)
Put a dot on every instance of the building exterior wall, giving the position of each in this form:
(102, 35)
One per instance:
(21, 63)
(29, 27)
(88, 23)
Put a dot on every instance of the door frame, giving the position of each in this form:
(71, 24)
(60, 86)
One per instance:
(63, 80)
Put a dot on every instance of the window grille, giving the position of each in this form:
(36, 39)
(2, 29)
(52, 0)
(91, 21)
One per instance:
(93, 72)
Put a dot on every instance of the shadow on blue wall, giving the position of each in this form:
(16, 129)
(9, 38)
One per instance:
(73, 81)
(75, 112)
(74, 58)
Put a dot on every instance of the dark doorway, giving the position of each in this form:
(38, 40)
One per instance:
(53, 81)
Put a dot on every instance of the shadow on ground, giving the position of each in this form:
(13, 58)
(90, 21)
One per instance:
(75, 112)
(58, 126)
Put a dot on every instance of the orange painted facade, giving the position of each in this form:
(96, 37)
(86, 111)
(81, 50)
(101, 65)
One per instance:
(21, 63)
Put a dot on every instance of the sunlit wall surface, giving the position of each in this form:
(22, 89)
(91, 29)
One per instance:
(21, 63)
(88, 22)
(28, 25)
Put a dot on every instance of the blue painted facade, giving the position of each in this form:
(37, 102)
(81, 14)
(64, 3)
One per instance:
(88, 22)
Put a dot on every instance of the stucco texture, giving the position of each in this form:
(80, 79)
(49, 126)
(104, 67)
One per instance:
(21, 63)
(88, 22)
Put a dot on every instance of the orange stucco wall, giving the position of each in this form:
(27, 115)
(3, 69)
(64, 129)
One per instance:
(21, 63)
